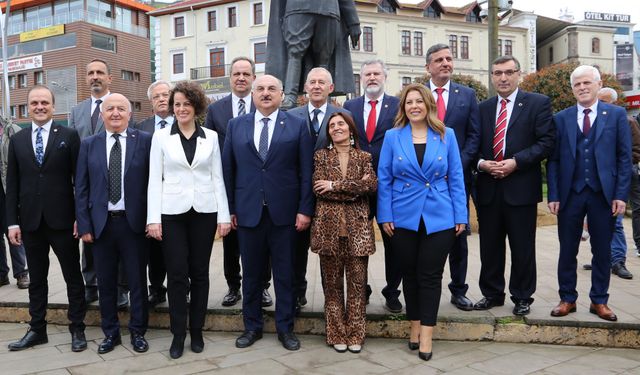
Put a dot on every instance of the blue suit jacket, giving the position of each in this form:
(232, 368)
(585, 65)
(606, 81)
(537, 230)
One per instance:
(218, 116)
(283, 180)
(303, 113)
(611, 147)
(92, 177)
(434, 192)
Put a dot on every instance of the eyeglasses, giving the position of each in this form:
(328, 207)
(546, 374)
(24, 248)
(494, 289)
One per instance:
(509, 73)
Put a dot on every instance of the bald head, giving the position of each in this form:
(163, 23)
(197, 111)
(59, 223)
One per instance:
(116, 112)
(267, 94)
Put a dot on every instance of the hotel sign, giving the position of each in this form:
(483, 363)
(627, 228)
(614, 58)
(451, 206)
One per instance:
(25, 63)
(610, 17)
(45, 32)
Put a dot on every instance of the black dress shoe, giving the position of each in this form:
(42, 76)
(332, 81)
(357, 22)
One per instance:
(109, 343)
(425, 356)
(156, 298)
(462, 302)
(123, 300)
(78, 341)
(368, 293)
(91, 294)
(487, 303)
(248, 338)
(30, 339)
(177, 346)
(233, 296)
(4, 280)
(266, 298)
(622, 271)
(414, 345)
(139, 343)
(197, 342)
(522, 308)
(289, 340)
(393, 305)
(587, 267)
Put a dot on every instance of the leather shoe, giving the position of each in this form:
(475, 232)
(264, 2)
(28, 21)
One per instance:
(156, 298)
(487, 303)
(248, 338)
(393, 305)
(123, 300)
(233, 296)
(78, 341)
(587, 267)
(289, 340)
(177, 346)
(90, 294)
(266, 298)
(109, 343)
(4, 280)
(563, 309)
(425, 356)
(23, 281)
(30, 339)
(462, 302)
(603, 311)
(139, 343)
(368, 293)
(414, 345)
(522, 308)
(622, 271)
(197, 342)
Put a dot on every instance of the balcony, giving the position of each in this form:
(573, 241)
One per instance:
(211, 71)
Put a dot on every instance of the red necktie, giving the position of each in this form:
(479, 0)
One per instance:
(442, 110)
(586, 122)
(500, 131)
(371, 121)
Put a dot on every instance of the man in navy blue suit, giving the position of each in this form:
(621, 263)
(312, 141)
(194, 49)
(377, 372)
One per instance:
(111, 211)
(374, 113)
(267, 162)
(589, 174)
(238, 103)
(458, 109)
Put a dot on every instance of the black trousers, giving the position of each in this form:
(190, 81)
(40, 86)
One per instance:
(300, 259)
(37, 244)
(422, 259)
(231, 252)
(118, 244)
(187, 241)
(157, 269)
(458, 260)
(392, 267)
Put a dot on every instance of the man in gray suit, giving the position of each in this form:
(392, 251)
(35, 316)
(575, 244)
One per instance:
(318, 86)
(85, 118)
(158, 93)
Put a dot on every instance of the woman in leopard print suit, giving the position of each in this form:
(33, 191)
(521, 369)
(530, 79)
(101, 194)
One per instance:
(341, 232)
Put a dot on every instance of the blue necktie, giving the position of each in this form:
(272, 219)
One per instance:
(39, 147)
(263, 148)
(115, 171)
(241, 108)
(315, 122)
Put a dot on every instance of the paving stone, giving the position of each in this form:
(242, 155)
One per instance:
(514, 363)
(262, 367)
(121, 366)
(353, 366)
(191, 367)
(313, 358)
(53, 361)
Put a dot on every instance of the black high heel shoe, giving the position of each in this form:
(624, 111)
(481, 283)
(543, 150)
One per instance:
(197, 342)
(425, 356)
(177, 346)
(414, 345)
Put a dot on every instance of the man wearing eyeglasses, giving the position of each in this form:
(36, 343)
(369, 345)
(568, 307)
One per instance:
(517, 133)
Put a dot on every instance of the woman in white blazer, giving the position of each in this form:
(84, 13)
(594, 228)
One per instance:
(186, 200)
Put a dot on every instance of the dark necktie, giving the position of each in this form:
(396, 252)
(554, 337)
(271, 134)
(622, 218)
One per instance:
(162, 123)
(241, 108)
(500, 131)
(115, 171)
(442, 109)
(263, 148)
(315, 122)
(94, 117)
(586, 122)
(39, 147)
(371, 121)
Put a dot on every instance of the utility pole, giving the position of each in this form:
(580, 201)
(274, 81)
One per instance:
(6, 99)
(492, 20)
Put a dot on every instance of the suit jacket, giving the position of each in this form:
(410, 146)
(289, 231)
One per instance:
(92, 181)
(219, 114)
(433, 192)
(36, 192)
(611, 147)
(303, 113)
(464, 118)
(347, 203)
(175, 186)
(8, 132)
(282, 181)
(149, 125)
(530, 139)
(80, 119)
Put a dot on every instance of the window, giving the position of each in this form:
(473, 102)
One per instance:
(212, 23)
(464, 47)
(453, 45)
(178, 27)
(22, 81)
(137, 107)
(508, 47)
(136, 77)
(499, 47)
(550, 55)
(216, 61)
(417, 42)
(367, 39)
(178, 63)
(12, 82)
(260, 52)
(356, 81)
(13, 111)
(406, 81)
(16, 22)
(405, 42)
(473, 17)
(232, 17)
(126, 75)
(595, 45)
(23, 110)
(38, 78)
(103, 41)
(257, 14)
(386, 7)
(430, 12)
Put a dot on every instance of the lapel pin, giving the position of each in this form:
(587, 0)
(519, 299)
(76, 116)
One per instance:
(604, 112)
(519, 104)
(281, 122)
(133, 135)
(55, 130)
(386, 105)
(456, 91)
(435, 138)
(399, 157)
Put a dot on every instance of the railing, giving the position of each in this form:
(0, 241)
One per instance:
(211, 71)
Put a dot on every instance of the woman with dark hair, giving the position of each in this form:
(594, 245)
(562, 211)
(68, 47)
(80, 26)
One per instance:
(421, 205)
(186, 200)
(341, 233)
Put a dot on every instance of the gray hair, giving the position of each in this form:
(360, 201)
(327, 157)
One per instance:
(375, 61)
(435, 48)
(156, 84)
(323, 70)
(583, 69)
(610, 91)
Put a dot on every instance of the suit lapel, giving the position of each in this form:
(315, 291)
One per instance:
(433, 145)
(322, 134)
(518, 107)
(53, 134)
(277, 132)
(132, 141)
(384, 109)
(175, 145)
(572, 128)
(601, 121)
(201, 152)
(407, 146)
(101, 155)
(453, 101)
(360, 121)
(490, 129)
(228, 110)
(249, 130)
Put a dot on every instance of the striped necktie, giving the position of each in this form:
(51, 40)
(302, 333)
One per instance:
(500, 131)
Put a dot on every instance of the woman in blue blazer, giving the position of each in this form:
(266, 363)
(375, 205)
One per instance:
(421, 205)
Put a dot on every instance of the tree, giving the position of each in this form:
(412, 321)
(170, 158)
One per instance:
(553, 81)
(481, 90)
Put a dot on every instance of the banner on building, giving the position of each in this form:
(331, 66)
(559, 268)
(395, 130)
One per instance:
(24, 63)
(44, 32)
(624, 65)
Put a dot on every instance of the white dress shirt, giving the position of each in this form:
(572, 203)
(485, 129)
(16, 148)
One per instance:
(119, 206)
(510, 103)
(592, 115)
(168, 119)
(257, 129)
(321, 114)
(445, 93)
(93, 101)
(46, 130)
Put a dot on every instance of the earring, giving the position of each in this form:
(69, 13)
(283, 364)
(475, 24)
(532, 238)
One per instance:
(351, 140)
(330, 147)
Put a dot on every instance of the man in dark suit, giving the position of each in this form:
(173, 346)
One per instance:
(458, 109)
(517, 133)
(40, 213)
(111, 209)
(267, 162)
(318, 86)
(589, 174)
(85, 118)
(158, 93)
(238, 103)
(374, 113)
